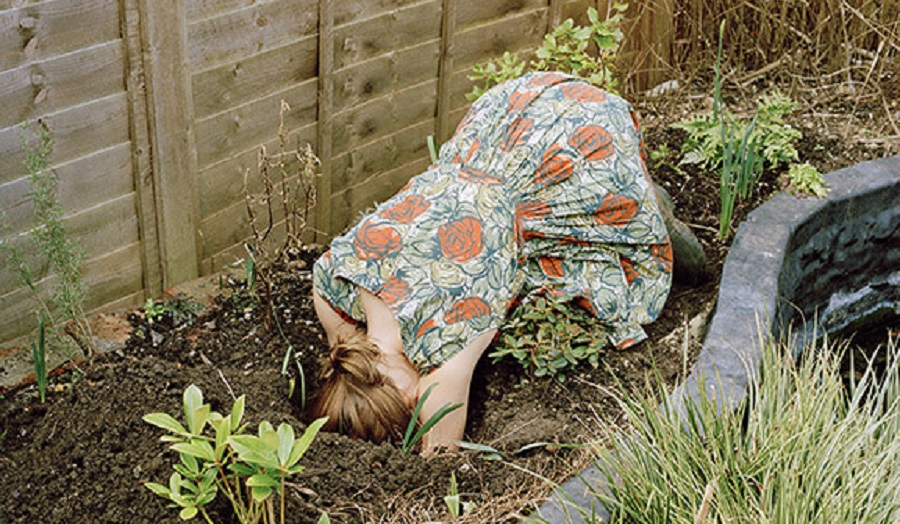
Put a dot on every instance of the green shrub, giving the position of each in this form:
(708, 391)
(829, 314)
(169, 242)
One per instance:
(589, 52)
(548, 336)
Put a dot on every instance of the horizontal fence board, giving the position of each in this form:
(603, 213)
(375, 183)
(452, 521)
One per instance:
(477, 43)
(383, 116)
(252, 124)
(97, 231)
(41, 30)
(110, 177)
(217, 238)
(199, 9)
(49, 85)
(76, 132)
(390, 32)
(105, 278)
(350, 203)
(359, 83)
(222, 184)
(474, 13)
(349, 11)
(225, 87)
(239, 34)
(361, 163)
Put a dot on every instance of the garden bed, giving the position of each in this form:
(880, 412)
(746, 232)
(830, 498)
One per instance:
(84, 454)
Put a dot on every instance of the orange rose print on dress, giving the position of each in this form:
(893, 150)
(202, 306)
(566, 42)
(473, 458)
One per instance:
(373, 242)
(551, 266)
(616, 210)
(547, 79)
(519, 100)
(625, 344)
(395, 291)
(461, 240)
(583, 93)
(478, 176)
(593, 142)
(406, 210)
(473, 148)
(555, 167)
(529, 210)
(426, 326)
(628, 267)
(467, 309)
(662, 253)
(517, 134)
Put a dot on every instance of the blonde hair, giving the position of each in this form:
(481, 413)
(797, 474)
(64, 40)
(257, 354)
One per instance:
(358, 399)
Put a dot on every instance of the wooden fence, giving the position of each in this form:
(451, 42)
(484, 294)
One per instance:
(157, 110)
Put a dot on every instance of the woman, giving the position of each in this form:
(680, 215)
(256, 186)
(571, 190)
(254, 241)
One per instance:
(542, 189)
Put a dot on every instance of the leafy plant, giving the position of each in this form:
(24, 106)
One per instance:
(249, 469)
(548, 336)
(49, 237)
(180, 310)
(413, 436)
(806, 179)
(738, 148)
(589, 52)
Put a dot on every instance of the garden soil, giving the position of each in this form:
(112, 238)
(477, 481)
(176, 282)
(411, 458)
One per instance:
(84, 455)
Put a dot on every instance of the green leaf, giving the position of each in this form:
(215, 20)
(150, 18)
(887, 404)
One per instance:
(260, 493)
(166, 422)
(324, 519)
(305, 440)
(262, 480)
(199, 417)
(192, 399)
(188, 513)
(196, 448)
(285, 443)
(237, 413)
(159, 489)
(254, 450)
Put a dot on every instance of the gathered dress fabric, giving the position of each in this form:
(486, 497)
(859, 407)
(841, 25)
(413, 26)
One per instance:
(542, 189)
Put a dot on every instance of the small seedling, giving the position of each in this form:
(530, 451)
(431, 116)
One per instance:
(412, 437)
(454, 503)
(153, 311)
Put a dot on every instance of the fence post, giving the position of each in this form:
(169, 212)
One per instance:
(170, 119)
(325, 109)
(445, 71)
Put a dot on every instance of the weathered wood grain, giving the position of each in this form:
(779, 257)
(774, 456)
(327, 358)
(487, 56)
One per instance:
(45, 86)
(41, 30)
(237, 35)
(394, 30)
(385, 74)
(325, 116)
(76, 132)
(383, 116)
(246, 127)
(110, 177)
(220, 89)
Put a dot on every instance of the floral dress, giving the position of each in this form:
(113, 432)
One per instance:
(542, 189)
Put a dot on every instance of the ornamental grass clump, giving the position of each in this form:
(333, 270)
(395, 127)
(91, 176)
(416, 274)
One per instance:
(802, 447)
(248, 469)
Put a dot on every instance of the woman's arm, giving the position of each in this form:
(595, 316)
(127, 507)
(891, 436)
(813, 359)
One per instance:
(334, 325)
(453, 380)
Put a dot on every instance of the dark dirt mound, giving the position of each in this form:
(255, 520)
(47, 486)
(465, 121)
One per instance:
(85, 454)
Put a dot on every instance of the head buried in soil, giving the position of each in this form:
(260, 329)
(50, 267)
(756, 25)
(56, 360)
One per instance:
(358, 399)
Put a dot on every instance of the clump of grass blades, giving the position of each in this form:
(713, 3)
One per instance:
(801, 448)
